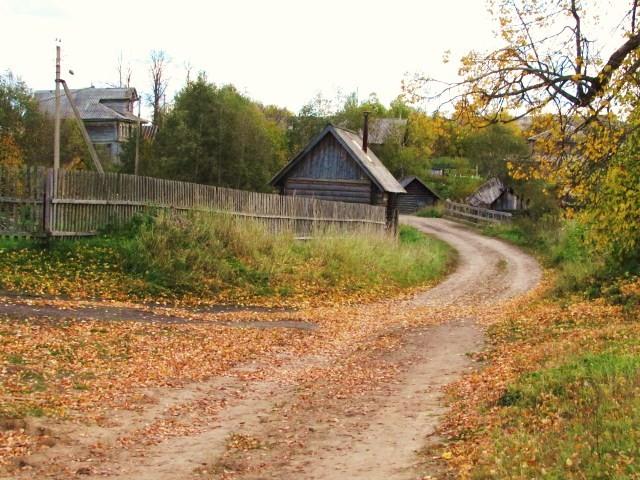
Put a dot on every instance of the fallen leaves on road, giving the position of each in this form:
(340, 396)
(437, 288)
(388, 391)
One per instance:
(529, 334)
(82, 370)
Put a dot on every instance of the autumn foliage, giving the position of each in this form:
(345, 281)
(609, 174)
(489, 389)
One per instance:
(557, 396)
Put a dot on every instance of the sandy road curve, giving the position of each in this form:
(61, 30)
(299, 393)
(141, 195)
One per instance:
(375, 435)
(488, 271)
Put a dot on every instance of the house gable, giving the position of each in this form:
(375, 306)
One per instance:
(414, 185)
(418, 195)
(368, 163)
(327, 159)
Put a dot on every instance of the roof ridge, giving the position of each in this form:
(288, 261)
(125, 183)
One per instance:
(344, 128)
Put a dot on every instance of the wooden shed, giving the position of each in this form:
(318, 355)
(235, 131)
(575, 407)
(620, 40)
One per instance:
(419, 195)
(495, 195)
(337, 165)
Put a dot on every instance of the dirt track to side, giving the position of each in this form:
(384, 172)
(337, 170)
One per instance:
(289, 427)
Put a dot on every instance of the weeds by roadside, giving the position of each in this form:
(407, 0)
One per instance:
(564, 247)
(217, 258)
(431, 212)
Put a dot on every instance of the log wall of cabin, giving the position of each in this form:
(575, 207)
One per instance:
(327, 172)
(110, 134)
(416, 197)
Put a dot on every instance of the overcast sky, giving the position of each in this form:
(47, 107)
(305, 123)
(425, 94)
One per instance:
(279, 52)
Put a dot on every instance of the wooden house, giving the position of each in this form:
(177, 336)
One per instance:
(495, 195)
(338, 165)
(107, 113)
(419, 195)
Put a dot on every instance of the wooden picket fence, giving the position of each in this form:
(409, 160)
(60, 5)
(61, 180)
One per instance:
(476, 215)
(44, 202)
(22, 201)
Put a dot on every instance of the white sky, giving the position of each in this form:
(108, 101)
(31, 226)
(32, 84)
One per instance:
(279, 52)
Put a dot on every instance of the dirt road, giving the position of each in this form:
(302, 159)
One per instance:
(347, 411)
(488, 271)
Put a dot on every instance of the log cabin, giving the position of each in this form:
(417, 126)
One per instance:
(337, 165)
(419, 195)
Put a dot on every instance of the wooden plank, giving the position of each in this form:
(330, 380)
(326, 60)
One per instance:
(20, 200)
(80, 203)
(468, 211)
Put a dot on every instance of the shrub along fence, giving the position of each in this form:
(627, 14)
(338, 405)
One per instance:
(44, 202)
(467, 213)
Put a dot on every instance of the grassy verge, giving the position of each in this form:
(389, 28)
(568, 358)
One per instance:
(431, 212)
(558, 397)
(563, 247)
(205, 258)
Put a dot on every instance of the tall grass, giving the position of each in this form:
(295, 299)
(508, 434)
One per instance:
(434, 211)
(204, 254)
(221, 258)
(561, 245)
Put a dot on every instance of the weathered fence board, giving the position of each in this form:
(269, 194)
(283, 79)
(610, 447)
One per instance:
(76, 203)
(21, 200)
(471, 214)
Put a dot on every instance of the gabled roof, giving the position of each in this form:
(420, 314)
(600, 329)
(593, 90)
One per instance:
(368, 161)
(92, 103)
(405, 181)
(487, 193)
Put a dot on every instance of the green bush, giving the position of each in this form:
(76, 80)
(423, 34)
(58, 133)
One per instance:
(454, 188)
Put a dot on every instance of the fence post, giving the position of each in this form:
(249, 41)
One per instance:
(47, 205)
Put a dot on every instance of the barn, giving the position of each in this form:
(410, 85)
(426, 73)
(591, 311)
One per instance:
(419, 195)
(495, 195)
(337, 165)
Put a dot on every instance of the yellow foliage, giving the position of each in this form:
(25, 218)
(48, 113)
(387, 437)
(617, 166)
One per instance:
(10, 153)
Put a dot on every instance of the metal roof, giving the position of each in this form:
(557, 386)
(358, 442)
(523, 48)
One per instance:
(92, 103)
(352, 143)
(405, 181)
(487, 193)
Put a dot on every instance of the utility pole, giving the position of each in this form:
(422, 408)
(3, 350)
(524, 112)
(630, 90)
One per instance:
(83, 129)
(137, 159)
(56, 133)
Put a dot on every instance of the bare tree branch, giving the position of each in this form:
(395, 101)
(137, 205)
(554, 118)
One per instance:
(159, 82)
